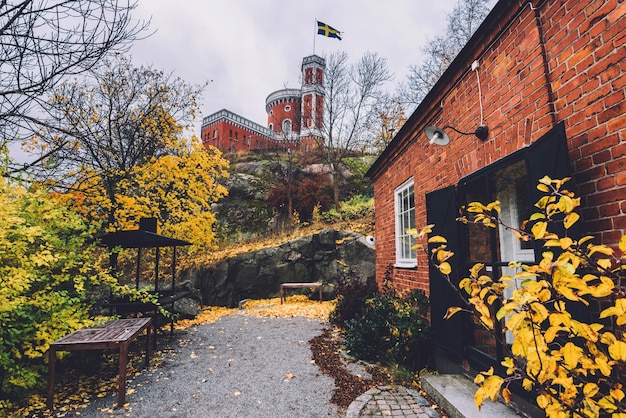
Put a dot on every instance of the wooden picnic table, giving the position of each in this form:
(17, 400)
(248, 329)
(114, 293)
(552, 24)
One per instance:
(118, 334)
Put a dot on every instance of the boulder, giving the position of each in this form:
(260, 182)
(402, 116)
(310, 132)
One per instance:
(186, 307)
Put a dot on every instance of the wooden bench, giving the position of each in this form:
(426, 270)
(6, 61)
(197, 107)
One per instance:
(116, 334)
(311, 286)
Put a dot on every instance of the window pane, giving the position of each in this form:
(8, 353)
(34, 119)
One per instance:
(405, 219)
(478, 237)
(511, 188)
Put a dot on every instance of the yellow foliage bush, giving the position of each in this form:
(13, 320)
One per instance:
(576, 367)
(47, 270)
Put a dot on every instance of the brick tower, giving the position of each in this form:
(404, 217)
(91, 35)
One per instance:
(312, 94)
(283, 114)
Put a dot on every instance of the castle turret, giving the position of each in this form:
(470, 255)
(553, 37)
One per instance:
(283, 113)
(312, 92)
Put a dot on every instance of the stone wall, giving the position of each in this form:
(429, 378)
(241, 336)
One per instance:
(258, 274)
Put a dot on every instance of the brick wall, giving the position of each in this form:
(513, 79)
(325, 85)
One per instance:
(233, 138)
(582, 83)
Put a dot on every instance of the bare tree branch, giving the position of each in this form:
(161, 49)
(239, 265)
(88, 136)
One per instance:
(42, 41)
(440, 51)
(114, 121)
(352, 98)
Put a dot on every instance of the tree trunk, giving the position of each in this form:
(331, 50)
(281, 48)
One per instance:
(336, 183)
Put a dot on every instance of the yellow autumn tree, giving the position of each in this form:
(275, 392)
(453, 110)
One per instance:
(119, 151)
(178, 190)
(575, 364)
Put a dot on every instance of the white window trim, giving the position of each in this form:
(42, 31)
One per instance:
(402, 262)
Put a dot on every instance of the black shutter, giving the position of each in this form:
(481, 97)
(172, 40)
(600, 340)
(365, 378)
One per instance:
(547, 157)
(442, 211)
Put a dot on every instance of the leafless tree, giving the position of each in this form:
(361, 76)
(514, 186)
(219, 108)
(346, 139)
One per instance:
(284, 159)
(390, 118)
(440, 51)
(43, 40)
(352, 97)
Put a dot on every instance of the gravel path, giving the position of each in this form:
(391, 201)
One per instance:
(238, 366)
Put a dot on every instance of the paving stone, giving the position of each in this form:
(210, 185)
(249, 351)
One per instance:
(387, 401)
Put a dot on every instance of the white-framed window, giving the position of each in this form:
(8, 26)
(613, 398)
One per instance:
(405, 219)
(287, 108)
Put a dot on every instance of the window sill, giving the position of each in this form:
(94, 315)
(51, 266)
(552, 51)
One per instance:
(401, 265)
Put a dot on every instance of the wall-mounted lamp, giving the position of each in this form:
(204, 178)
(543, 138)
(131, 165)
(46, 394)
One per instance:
(438, 136)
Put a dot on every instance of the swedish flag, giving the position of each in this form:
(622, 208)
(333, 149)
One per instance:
(328, 31)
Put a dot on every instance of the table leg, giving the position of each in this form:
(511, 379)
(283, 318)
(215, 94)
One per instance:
(148, 337)
(52, 356)
(320, 293)
(282, 295)
(121, 382)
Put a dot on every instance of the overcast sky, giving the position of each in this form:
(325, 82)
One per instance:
(250, 48)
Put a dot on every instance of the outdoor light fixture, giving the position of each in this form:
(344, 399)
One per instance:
(438, 135)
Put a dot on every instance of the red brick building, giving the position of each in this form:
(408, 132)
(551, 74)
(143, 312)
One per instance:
(294, 118)
(546, 83)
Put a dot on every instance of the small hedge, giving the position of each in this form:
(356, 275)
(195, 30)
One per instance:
(387, 326)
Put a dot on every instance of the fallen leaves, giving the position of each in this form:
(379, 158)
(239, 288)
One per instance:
(298, 305)
(348, 387)
(210, 314)
(103, 382)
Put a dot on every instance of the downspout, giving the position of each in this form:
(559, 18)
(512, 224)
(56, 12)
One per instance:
(546, 67)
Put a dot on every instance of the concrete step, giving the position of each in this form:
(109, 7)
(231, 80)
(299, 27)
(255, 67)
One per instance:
(455, 394)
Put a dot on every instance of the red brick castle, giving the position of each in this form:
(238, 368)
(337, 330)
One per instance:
(294, 118)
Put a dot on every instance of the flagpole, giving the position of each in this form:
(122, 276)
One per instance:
(314, 35)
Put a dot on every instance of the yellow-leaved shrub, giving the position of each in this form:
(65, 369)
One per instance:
(575, 365)
(47, 268)
(49, 274)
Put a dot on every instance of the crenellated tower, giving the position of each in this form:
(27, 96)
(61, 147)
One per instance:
(312, 93)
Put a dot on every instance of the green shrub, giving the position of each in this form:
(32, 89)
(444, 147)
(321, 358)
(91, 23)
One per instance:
(352, 295)
(359, 183)
(356, 207)
(389, 326)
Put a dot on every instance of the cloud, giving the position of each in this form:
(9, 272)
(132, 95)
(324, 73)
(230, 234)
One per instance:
(251, 48)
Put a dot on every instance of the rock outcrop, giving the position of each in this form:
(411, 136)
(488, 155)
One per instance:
(321, 257)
